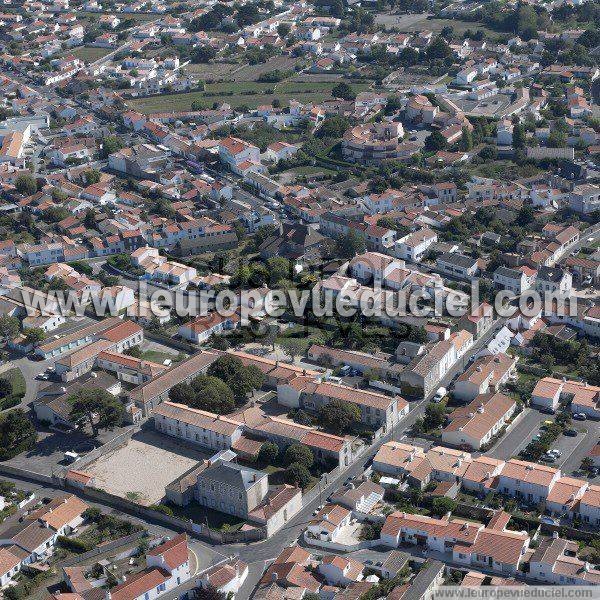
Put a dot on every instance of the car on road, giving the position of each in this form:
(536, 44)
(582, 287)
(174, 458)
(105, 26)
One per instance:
(594, 472)
(570, 432)
(42, 376)
(580, 416)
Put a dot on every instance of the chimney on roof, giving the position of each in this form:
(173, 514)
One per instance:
(488, 475)
(555, 535)
(273, 576)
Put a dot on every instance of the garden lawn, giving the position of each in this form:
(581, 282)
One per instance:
(247, 93)
(16, 379)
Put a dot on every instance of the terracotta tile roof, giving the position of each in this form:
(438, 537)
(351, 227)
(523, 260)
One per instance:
(174, 552)
(197, 417)
(60, 511)
(140, 583)
(8, 561)
(121, 331)
(566, 490)
(503, 546)
(480, 416)
(530, 472)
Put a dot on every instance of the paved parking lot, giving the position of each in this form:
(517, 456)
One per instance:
(144, 467)
(522, 432)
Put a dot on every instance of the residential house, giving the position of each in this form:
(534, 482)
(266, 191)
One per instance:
(476, 424)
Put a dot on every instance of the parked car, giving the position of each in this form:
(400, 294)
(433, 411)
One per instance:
(580, 416)
(570, 432)
(548, 520)
(439, 395)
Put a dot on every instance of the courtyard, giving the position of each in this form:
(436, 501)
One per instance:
(140, 470)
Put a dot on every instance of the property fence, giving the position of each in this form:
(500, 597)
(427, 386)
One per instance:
(161, 338)
(108, 547)
(117, 442)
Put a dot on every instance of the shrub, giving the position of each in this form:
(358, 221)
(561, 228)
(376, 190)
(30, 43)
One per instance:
(72, 544)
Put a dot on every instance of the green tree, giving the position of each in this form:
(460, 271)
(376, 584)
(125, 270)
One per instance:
(435, 415)
(35, 335)
(337, 415)
(293, 347)
(297, 474)
(17, 434)
(5, 387)
(26, 184)
(278, 268)
(443, 505)
(241, 379)
(268, 453)
(519, 136)
(344, 91)
(349, 245)
(438, 49)
(297, 453)
(97, 408)
(213, 395)
(466, 141)
(283, 30)
(110, 145)
(208, 592)
(9, 327)
(435, 141)
(91, 176)
(332, 127)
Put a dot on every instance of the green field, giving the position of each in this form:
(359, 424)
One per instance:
(87, 54)
(17, 381)
(233, 94)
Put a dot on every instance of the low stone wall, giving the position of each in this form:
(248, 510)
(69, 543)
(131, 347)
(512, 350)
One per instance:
(108, 547)
(340, 547)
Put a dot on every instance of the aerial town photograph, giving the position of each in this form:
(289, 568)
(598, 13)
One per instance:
(299, 299)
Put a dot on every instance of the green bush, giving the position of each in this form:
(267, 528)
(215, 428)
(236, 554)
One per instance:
(72, 544)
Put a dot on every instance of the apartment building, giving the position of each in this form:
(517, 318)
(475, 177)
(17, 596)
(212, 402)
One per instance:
(527, 481)
(200, 427)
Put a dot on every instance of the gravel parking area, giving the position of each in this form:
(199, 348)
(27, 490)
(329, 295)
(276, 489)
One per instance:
(142, 469)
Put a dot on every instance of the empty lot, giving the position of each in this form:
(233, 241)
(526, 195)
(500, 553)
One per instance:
(143, 468)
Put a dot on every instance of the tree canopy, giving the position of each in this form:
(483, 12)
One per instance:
(96, 408)
(17, 434)
(337, 416)
(240, 378)
(205, 393)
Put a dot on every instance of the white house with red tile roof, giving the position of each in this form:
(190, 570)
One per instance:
(328, 523)
(341, 570)
(527, 481)
(555, 562)
(478, 422)
(589, 506)
(373, 266)
(201, 427)
(227, 577)
(585, 398)
(492, 547)
(234, 152)
(202, 328)
(167, 567)
(486, 374)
